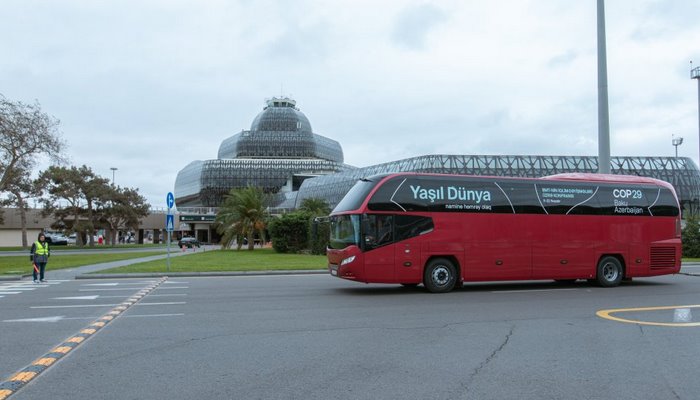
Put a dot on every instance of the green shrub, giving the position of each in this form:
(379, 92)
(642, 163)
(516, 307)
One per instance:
(319, 233)
(691, 237)
(290, 232)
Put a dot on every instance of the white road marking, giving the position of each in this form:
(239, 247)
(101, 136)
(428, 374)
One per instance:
(152, 315)
(77, 306)
(100, 284)
(130, 288)
(93, 297)
(43, 319)
(3, 292)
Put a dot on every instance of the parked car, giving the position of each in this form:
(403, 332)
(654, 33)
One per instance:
(188, 242)
(72, 238)
(56, 239)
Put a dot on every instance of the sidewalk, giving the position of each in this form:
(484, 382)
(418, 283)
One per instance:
(74, 273)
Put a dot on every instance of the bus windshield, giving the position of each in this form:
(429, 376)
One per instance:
(357, 194)
(345, 231)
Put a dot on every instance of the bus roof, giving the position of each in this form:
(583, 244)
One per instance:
(574, 176)
(588, 177)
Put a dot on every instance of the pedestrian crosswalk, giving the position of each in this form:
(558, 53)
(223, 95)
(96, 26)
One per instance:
(19, 287)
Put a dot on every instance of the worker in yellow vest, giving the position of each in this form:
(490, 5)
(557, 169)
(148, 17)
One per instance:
(39, 255)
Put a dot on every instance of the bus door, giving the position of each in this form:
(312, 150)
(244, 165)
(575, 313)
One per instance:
(409, 234)
(377, 236)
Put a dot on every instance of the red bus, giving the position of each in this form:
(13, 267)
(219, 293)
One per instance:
(443, 230)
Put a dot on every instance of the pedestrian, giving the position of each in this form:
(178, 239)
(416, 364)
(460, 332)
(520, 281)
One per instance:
(40, 256)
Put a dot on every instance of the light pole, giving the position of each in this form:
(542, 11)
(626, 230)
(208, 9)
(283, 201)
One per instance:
(695, 74)
(603, 116)
(113, 169)
(677, 141)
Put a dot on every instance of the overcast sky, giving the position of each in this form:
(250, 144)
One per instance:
(149, 86)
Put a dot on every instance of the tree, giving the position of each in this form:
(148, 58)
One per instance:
(319, 231)
(25, 133)
(20, 188)
(92, 201)
(315, 207)
(124, 208)
(242, 215)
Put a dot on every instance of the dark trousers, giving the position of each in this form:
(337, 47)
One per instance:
(42, 267)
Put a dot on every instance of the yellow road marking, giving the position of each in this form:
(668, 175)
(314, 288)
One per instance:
(76, 339)
(100, 324)
(23, 376)
(62, 349)
(88, 331)
(107, 318)
(4, 393)
(46, 361)
(607, 315)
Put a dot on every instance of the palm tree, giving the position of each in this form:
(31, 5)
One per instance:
(241, 216)
(315, 207)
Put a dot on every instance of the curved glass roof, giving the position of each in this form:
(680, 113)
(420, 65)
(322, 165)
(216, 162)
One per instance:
(280, 131)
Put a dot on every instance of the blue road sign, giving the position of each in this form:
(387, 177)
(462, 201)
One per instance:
(170, 200)
(169, 223)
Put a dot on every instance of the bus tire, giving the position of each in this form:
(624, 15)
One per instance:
(440, 276)
(610, 272)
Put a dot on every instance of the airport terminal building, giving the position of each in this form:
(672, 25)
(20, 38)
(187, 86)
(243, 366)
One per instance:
(281, 154)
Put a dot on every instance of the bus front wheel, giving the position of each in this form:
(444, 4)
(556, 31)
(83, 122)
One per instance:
(440, 276)
(610, 272)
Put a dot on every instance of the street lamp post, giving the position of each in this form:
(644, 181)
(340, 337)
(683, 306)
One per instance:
(677, 141)
(113, 169)
(603, 114)
(695, 74)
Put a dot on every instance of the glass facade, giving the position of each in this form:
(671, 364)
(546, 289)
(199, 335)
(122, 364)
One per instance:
(277, 154)
(281, 154)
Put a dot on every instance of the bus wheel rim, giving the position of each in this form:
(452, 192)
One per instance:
(610, 272)
(441, 275)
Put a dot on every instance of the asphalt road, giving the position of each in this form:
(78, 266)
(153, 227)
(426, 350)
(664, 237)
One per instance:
(318, 337)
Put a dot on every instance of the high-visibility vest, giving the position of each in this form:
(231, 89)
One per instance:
(41, 250)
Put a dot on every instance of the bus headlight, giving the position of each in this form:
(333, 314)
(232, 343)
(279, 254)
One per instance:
(348, 260)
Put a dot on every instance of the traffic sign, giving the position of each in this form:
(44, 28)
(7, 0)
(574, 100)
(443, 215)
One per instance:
(170, 200)
(169, 223)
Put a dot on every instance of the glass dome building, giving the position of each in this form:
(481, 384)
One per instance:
(281, 154)
(278, 153)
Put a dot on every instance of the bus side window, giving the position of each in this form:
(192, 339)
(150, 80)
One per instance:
(408, 226)
(378, 230)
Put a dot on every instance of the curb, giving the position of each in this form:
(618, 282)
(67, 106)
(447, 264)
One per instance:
(11, 278)
(203, 273)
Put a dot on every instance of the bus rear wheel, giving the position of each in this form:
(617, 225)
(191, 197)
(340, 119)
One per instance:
(610, 272)
(440, 276)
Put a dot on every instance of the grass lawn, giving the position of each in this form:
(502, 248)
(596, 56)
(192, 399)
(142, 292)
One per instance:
(229, 260)
(17, 265)
(95, 247)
